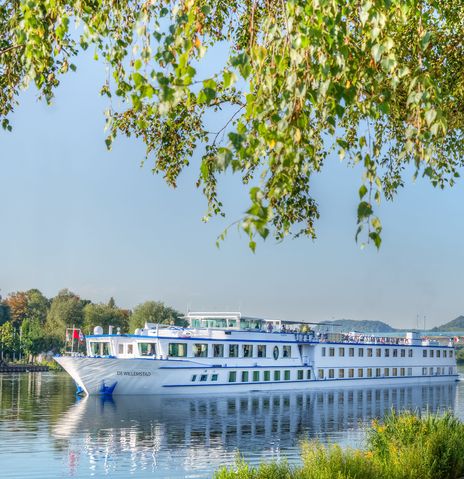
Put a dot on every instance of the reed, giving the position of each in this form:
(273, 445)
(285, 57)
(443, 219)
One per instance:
(402, 446)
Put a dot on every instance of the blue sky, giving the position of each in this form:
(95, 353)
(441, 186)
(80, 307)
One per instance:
(74, 215)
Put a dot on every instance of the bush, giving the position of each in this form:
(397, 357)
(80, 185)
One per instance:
(403, 446)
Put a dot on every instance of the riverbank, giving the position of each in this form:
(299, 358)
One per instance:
(401, 446)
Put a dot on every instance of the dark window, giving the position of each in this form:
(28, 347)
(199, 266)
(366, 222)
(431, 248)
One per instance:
(276, 375)
(300, 374)
(177, 350)
(255, 376)
(267, 375)
(244, 376)
(287, 375)
(200, 350)
(147, 349)
(232, 376)
(233, 350)
(214, 377)
(261, 350)
(218, 350)
(203, 377)
(247, 350)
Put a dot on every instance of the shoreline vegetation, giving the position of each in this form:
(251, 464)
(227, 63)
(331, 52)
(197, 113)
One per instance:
(401, 446)
(33, 327)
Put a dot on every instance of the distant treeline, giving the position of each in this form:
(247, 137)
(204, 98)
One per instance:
(31, 323)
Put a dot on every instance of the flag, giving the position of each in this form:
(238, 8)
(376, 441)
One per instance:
(75, 333)
(81, 336)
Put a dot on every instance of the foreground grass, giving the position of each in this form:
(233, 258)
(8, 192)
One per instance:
(403, 446)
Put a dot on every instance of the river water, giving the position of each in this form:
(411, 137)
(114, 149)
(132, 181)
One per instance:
(46, 431)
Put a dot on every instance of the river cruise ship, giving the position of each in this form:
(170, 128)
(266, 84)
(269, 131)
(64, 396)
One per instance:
(231, 353)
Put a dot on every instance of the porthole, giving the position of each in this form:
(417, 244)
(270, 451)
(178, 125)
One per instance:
(276, 352)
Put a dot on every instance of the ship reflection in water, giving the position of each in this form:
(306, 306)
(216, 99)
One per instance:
(176, 437)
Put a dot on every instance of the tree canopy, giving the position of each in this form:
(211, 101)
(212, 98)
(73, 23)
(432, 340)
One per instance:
(154, 312)
(380, 82)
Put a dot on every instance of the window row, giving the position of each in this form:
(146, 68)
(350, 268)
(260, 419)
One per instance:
(255, 376)
(218, 350)
(379, 352)
(439, 371)
(437, 353)
(363, 372)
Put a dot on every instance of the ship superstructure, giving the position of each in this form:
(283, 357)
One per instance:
(230, 353)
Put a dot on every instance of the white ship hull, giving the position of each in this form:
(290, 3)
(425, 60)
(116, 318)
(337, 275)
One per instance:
(170, 377)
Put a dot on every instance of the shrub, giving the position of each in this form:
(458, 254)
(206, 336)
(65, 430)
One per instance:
(402, 446)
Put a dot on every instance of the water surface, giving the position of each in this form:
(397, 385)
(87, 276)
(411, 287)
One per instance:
(46, 431)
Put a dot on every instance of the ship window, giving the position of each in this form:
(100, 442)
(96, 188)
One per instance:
(410, 353)
(451, 354)
(218, 350)
(286, 351)
(424, 371)
(438, 353)
(323, 352)
(275, 353)
(267, 375)
(351, 373)
(432, 353)
(233, 350)
(320, 374)
(255, 376)
(402, 372)
(403, 353)
(261, 350)
(203, 377)
(386, 372)
(300, 374)
(341, 373)
(360, 352)
(395, 353)
(331, 373)
(247, 350)
(232, 376)
(105, 349)
(178, 350)
(200, 350)
(287, 375)
(450, 370)
(387, 353)
(431, 371)
(308, 374)
(214, 377)
(276, 375)
(341, 351)
(120, 348)
(409, 371)
(194, 378)
(147, 349)
(377, 372)
(444, 353)
(130, 349)
(395, 372)
(244, 376)
(369, 352)
(378, 352)
(351, 352)
(360, 372)
(95, 348)
(424, 353)
(331, 351)
(369, 372)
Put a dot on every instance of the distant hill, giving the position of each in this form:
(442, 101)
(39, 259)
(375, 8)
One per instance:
(454, 325)
(364, 326)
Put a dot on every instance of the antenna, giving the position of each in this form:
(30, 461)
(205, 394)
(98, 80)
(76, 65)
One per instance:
(424, 322)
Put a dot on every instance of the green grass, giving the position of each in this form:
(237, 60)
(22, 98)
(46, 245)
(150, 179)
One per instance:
(402, 446)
